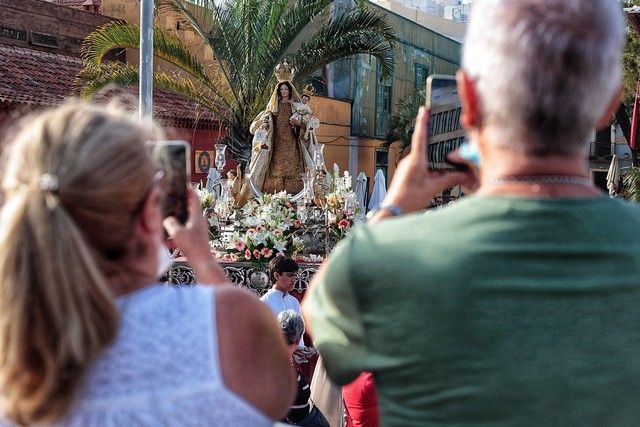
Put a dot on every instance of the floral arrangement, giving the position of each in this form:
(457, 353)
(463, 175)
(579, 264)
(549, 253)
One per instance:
(342, 205)
(207, 203)
(207, 199)
(266, 229)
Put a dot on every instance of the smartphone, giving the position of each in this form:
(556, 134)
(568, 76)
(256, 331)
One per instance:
(173, 158)
(446, 133)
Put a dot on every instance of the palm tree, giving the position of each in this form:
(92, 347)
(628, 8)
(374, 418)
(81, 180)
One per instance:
(248, 38)
(403, 121)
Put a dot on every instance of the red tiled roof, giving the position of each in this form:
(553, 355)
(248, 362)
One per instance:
(34, 77)
(42, 78)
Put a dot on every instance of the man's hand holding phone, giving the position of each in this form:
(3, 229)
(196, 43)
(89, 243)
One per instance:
(414, 184)
(469, 156)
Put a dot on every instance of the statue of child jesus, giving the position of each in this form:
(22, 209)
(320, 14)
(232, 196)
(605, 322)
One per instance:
(301, 110)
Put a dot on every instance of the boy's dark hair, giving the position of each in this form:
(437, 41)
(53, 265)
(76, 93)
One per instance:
(281, 264)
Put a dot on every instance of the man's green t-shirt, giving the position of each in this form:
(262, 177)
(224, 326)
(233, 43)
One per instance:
(494, 311)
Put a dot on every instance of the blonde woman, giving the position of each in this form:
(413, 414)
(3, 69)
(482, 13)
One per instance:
(87, 336)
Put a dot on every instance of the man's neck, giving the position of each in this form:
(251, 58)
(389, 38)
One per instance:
(502, 168)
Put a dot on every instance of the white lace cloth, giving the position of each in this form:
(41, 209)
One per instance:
(163, 369)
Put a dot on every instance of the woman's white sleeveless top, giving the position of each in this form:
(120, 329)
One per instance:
(163, 368)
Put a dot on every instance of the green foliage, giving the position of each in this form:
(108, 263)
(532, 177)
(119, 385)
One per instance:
(248, 39)
(402, 122)
(631, 184)
(631, 60)
(631, 66)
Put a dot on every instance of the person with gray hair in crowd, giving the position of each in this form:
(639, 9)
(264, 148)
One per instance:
(302, 411)
(518, 305)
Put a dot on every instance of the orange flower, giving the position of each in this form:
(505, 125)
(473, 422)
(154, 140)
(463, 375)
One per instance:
(343, 224)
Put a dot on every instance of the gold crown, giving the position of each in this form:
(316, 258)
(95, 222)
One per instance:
(284, 72)
(309, 90)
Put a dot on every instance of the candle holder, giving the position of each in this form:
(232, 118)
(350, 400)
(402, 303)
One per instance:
(221, 156)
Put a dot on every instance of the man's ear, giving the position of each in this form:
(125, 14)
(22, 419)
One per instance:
(611, 109)
(471, 117)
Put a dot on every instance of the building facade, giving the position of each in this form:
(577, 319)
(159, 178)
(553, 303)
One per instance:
(420, 51)
(40, 44)
(454, 10)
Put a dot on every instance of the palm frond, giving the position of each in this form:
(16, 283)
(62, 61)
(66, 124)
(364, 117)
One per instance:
(631, 181)
(166, 46)
(266, 42)
(402, 122)
(197, 14)
(92, 80)
(359, 31)
(125, 36)
(298, 16)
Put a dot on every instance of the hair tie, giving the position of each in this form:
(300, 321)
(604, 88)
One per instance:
(49, 183)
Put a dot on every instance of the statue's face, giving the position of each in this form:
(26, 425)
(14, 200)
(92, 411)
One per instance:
(284, 92)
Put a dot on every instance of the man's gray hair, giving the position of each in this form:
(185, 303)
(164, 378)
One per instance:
(292, 325)
(545, 70)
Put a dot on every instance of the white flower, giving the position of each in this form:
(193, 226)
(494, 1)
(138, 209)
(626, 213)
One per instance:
(280, 246)
(258, 238)
(251, 221)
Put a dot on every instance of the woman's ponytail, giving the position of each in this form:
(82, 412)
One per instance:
(56, 310)
(72, 181)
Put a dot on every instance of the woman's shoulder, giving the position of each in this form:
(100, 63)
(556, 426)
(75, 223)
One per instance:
(253, 357)
(241, 308)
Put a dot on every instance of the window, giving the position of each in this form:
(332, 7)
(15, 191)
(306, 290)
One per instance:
(456, 121)
(382, 162)
(421, 72)
(43, 39)
(383, 103)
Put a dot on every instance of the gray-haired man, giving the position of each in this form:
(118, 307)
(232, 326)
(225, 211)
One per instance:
(518, 305)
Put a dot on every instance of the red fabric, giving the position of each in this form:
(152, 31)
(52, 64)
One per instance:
(634, 119)
(306, 369)
(361, 402)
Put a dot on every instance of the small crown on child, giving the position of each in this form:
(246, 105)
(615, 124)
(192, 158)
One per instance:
(284, 72)
(309, 90)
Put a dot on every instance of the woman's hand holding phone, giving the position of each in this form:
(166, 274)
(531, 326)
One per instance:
(192, 238)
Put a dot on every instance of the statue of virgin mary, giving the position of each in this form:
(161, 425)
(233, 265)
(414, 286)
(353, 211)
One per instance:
(281, 149)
